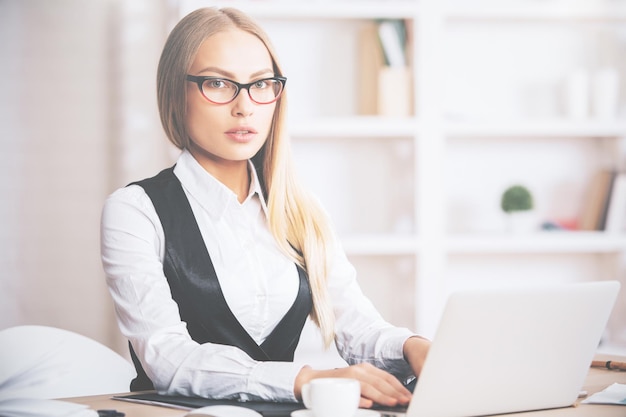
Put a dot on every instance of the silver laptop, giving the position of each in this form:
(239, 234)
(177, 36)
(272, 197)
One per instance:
(510, 350)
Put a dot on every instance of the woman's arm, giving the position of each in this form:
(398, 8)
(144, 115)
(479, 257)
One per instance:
(415, 350)
(377, 386)
(380, 354)
(362, 334)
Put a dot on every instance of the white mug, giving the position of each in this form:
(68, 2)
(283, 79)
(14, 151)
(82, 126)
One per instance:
(332, 397)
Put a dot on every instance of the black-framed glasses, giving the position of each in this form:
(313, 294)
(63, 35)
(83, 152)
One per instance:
(222, 90)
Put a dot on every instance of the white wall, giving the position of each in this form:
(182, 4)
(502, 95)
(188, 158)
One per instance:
(77, 119)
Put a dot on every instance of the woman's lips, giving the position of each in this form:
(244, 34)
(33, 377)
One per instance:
(241, 133)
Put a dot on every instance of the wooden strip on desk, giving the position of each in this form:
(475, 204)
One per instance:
(609, 365)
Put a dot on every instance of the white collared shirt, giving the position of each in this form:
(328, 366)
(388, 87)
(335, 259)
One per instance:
(259, 284)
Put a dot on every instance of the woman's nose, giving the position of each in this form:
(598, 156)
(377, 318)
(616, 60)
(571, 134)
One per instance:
(243, 104)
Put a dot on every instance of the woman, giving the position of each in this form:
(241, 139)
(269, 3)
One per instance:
(215, 264)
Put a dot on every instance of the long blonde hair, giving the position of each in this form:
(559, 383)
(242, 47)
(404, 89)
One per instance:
(296, 220)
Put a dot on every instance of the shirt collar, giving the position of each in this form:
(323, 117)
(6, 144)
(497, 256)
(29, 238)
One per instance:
(255, 188)
(210, 193)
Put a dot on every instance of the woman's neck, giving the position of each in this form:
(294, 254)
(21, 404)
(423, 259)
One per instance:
(236, 178)
(233, 174)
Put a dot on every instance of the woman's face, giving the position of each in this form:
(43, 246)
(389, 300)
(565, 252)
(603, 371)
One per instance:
(228, 134)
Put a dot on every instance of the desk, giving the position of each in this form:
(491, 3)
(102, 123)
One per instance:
(597, 380)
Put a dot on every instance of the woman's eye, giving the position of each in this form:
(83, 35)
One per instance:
(261, 84)
(216, 84)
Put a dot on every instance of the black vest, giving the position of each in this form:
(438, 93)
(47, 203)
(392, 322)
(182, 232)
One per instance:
(195, 288)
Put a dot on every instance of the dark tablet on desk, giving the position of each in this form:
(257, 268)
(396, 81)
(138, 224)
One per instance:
(266, 408)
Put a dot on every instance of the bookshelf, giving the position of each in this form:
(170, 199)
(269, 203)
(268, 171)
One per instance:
(414, 199)
(601, 11)
(355, 127)
(591, 130)
(538, 243)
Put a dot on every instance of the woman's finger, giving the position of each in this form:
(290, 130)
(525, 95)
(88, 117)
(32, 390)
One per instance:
(378, 385)
(365, 403)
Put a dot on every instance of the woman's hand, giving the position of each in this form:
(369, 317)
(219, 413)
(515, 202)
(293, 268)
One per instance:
(415, 350)
(377, 386)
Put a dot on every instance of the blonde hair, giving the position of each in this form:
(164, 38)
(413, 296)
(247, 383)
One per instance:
(296, 220)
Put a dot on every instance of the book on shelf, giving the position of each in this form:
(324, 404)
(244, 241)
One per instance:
(616, 210)
(385, 80)
(371, 60)
(596, 205)
(392, 36)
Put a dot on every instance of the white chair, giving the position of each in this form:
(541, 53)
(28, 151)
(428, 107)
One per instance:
(46, 362)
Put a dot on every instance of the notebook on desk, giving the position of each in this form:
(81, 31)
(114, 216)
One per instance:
(265, 408)
(511, 350)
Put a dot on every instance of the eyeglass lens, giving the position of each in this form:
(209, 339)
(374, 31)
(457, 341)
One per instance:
(224, 91)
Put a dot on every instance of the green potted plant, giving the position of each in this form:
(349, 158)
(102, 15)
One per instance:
(517, 203)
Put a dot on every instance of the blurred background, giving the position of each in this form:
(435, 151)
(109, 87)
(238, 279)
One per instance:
(79, 120)
(410, 153)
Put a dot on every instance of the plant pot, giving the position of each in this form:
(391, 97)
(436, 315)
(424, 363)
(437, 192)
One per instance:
(521, 221)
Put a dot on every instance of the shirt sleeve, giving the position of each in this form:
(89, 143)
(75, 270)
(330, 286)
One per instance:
(362, 335)
(132, 246)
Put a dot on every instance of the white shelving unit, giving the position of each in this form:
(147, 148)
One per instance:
(539, 129)
(544, 243)
(404, 192)
(355, 127)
